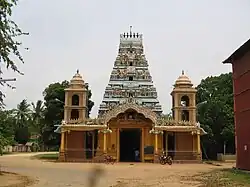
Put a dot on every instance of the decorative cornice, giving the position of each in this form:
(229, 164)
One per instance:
(155, 131)
(161, 121)
(123, 107)
(192, 129)
(88, 121)
(105, 131)
(185, 107)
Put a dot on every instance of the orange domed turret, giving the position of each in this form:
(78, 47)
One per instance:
(184, 100)
(183, 80)
(77, 81)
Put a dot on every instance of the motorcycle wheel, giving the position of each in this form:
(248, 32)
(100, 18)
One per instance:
(162, 161)
(169, 161)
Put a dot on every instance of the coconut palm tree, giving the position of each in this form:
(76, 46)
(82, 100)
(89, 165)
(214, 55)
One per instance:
(38, 116)
(22, 114)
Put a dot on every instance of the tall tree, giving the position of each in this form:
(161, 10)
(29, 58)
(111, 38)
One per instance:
(54, 102)
(90, 102)
(9, 45)
(22, 113)
(23, 119)
(37, 114)
(6, 128)
(37, 126)
(54, 97)
(216, 113)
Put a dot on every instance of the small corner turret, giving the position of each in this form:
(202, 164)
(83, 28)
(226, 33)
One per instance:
(184, 99)
(76, 99)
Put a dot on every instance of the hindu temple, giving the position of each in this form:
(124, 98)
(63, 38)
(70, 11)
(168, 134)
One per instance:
(130, 117)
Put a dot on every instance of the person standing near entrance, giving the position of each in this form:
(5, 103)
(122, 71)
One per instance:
(137, 155)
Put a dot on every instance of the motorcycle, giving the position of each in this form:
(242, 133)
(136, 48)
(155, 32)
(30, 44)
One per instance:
(164, 159)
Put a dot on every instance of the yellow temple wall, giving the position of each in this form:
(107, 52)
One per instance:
(160, 142)
(100, 141)
(148, 138)
(112, 143)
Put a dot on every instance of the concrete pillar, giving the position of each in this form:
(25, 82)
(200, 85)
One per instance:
(156, 143)
(118, 144)
(93, 144)
(166, 140)
(198, 143)
(142, 144)
(104, 142)
(62, 146)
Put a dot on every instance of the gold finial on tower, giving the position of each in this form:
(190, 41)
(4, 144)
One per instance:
(77, 71)
(182, 72)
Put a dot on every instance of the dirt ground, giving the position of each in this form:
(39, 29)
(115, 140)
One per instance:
(118, 175)
(8, 179)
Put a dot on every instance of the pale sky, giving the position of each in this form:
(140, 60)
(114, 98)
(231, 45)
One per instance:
(192, 35)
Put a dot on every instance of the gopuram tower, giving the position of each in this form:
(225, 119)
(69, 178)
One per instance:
(130, 79)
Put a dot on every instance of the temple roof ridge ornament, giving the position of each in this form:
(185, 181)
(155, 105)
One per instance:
(183, 80)
(130, 36)
(77, 82)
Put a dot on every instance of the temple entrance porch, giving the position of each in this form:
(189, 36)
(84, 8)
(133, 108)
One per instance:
(129, 132)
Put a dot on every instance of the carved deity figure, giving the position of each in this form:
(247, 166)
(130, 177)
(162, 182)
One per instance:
(124, 59)
(121, 73)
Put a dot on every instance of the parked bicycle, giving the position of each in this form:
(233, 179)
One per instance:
(165, 159)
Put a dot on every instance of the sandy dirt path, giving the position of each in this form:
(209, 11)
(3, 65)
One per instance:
(49, 174)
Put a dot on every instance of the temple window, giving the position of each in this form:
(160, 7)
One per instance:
(185, 101)
(130, 78)
(75, 100)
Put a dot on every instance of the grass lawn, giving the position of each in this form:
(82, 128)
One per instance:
(7, 153)
(49, 156)
(238, 176)
(226, 178)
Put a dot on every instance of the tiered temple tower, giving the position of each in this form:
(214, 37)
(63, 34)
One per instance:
(184, 100)
(130, 80)
(76, 99)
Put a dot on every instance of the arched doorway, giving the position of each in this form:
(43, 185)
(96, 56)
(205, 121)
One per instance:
(130, 126)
